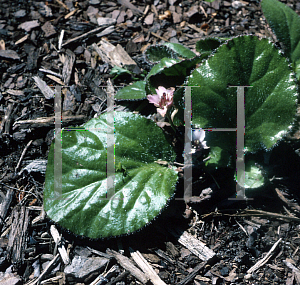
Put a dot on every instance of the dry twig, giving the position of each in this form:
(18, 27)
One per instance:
(194, 245)
(265, 259)
(127, 264)
(146, 267)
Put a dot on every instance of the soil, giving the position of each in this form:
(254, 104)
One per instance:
(224, 238)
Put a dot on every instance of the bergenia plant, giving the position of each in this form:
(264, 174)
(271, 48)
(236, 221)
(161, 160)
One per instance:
(145, 185)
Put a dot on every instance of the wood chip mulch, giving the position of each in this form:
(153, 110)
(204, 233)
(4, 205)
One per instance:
(64, 43)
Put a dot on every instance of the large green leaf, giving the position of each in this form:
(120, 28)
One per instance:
(285, 24)
(171, 75)
(270, 105)
(135, 91)
(209, 44)
(156, 53)
(165, 62)
(181, 50)
(140, 194)
(169, 50)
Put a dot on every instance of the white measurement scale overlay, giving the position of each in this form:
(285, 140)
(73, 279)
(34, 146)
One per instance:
(188, 175)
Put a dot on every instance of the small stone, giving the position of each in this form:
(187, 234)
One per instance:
(178, 9)
(92, 11)
(29, 25)
(172, 33)
(193, 10)
(152, 257)
(15, 92)
(82, 251)
(21, 82)
(131, 47)
(37, 143)
(45, 10)
(121, 17)
(79, 50)
(115, 14)
(163, 274)
(94, 2)
(176, 18)
(69, 5)
(35, 15)
(184, 253)
(139, 39)
(129, 23)
(215, 5)
(12, 86)
(224, 271)
(47, 257)
(172, 9)
(82, 267)
(20, 14)
(10, 279)
(182, 39)
(87, 55)
(48, 29)
(171, 249)
(154, 28)
(105, 21)
(19, 136)
(174, 40)
(149, 19)
(129, 14)
(8, 82)
(237, 4)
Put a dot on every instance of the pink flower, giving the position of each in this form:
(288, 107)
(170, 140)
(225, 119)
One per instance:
(163, 100)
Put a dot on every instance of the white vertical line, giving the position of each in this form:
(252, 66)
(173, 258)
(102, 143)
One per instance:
(110, 163)
(188, 172)
(57, 145)
(240, 144)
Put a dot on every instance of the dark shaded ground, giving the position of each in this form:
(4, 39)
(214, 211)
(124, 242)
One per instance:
(29, 33)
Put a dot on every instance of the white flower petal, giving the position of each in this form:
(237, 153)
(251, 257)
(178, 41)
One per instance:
(198, 134)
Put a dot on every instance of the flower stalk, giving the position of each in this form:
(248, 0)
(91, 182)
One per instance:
(163, 100)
